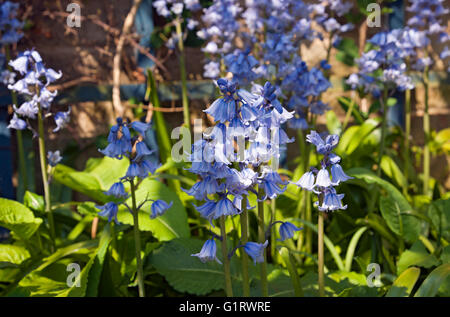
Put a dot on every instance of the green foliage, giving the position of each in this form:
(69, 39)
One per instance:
(95, 179)
(184, 272)
(18, 218)
(173, 224)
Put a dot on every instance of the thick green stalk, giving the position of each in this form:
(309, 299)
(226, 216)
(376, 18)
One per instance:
(383, 131)
(21, 153)
(426, 131)
(320, 255)
(406, 140)
(226, 260)
(43, 161)
(262, 239)
(244, 257)
(137, 241)
(184, 95)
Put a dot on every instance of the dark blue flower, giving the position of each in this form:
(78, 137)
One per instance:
(159, 207)
(117, 190)
(109, 210)
(255, 250)
(287, 230)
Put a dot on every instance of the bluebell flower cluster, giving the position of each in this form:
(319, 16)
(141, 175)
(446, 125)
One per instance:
(126, 139)
(10, 33)
(306, 87)
(238, 155)
(429, 18)
(270, 34)
(10, 26)
(174, 9)
(383, 67)
(167, 8)
(319, 181)
(220, 27)
(34, 86)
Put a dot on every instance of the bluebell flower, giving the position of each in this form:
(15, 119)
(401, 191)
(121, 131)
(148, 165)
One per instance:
(225, 207)
(117, 190)
(61, 120)
(142, 150)
(208, 252)
(242, 65)
(256, 250)
(287, 231)
(140, 127)
(53, 158)
(331, 200)
(109, 210)
(159, 207)
(323, 178)
(17, 123)
(207, 210)
(338, 174)
(223, 109)
(307, 181)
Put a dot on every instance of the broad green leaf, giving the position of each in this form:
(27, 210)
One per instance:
(439, 213)
(18, 218)
(173, 224)
(397, 218)
(391, 169)
(98, 176)
(184, 272)
(416, 256)
(404, 284)
(394, 206)
(34, 201)
(363, 131)
(334, 125)
(432, 283)
(13, 254)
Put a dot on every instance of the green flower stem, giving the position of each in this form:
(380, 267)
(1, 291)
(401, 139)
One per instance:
(383, 131)
(426, 131)
(43, 161)
(21, 153)
(273, 236)
(244, 257)
(137, 241)
(184, 95)
(348, 115)
(320, 255)
(406, 140)
(290, 265)
(262, 239)
(305, 235)
(226, 260)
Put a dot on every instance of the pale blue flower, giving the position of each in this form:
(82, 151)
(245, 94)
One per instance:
(208, 252)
